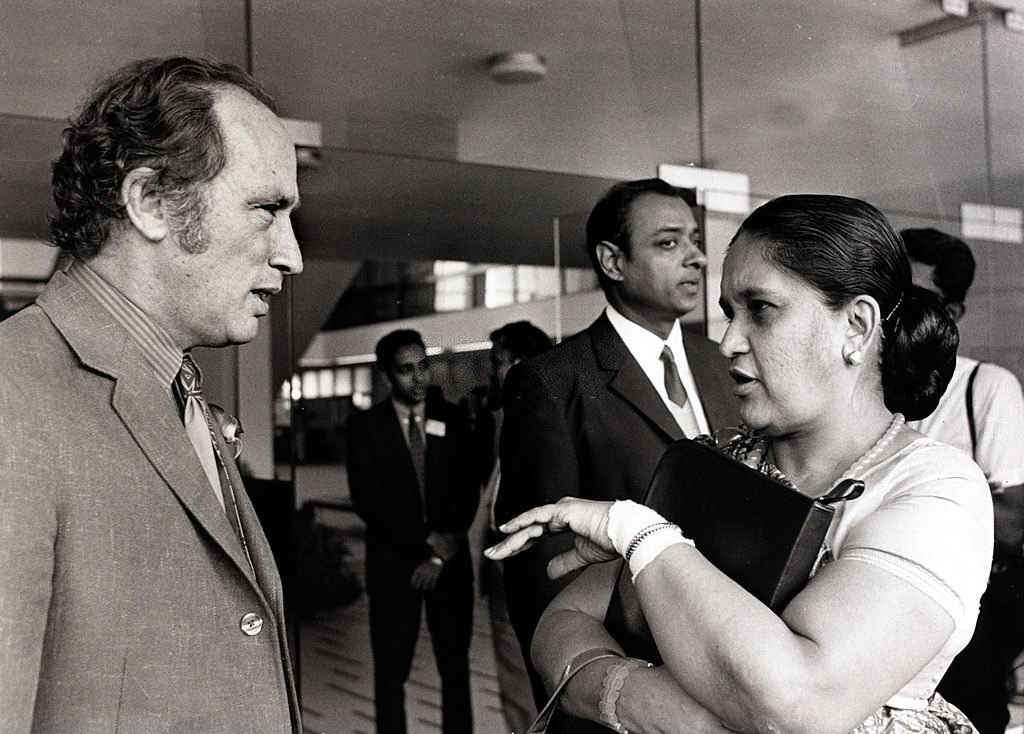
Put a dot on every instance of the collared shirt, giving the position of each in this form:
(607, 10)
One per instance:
(998, 416)
(646, 348)
(403, 411)
(159, 349)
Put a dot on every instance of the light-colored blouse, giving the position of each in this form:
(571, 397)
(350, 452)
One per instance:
(926, 517)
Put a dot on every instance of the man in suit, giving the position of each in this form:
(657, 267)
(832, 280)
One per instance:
(510, 345)
(412, 481)
(592, 416)
(137, 590)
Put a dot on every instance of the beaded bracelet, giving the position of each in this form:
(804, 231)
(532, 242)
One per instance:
(611, 689)
(647, 531)
(649, 543)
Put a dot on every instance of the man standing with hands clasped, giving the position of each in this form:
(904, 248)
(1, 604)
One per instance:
(137, 590)
(411, 478)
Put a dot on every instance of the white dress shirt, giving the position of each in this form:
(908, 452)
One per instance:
(646, 348)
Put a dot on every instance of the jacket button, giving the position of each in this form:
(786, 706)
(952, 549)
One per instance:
(251, 624)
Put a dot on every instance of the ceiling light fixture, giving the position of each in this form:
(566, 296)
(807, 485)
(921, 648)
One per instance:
(516, 67)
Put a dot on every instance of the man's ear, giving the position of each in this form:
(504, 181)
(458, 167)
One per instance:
(609, 257)
(144, 204)
(863, 327)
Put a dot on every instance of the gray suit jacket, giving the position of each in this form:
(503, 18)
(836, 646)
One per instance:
(122, 585)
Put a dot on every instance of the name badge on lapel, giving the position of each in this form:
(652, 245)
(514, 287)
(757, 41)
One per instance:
(435, 428)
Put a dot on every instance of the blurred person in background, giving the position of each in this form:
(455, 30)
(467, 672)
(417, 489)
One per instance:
(982, 413)
(510, 344)
(411, 479)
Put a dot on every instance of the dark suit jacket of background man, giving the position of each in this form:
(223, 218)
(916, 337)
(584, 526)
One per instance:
(385, 493)
(582, 419)
(122, 585)
(384, 490)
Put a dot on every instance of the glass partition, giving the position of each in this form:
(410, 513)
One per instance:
(442, 199)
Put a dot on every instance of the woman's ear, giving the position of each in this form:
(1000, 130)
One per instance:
(609, 257)
(863, 329)
(144, 204)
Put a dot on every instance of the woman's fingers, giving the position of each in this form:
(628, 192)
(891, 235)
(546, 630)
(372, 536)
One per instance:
(541, 515)
(586, 518)
(515, 543)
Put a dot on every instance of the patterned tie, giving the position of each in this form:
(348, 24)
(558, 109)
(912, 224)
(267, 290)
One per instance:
(196, 419)
(418, 451)
(677, 394)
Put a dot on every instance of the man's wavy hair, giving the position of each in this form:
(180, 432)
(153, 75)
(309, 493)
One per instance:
(158, 113)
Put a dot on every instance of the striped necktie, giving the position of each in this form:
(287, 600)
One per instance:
(197, 421)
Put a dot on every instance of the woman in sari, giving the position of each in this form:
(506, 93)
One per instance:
(831, 349)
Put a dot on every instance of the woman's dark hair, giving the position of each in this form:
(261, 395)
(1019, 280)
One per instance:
(156, 113)
(610, 219)
(844, 248)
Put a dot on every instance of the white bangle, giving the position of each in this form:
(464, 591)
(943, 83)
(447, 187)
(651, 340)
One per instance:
(651, 543)
(637, 534)
(626, 518)
(614, 678)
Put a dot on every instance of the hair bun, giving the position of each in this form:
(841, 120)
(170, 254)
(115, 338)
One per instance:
(919, 355)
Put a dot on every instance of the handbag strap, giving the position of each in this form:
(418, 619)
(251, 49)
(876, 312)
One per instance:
(578, 663)
(970, 410)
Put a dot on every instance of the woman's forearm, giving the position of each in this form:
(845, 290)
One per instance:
(834, 655)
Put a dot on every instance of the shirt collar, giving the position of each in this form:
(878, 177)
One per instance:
(161, 352)
(404, 410)
(640, 341)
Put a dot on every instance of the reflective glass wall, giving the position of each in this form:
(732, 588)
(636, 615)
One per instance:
(430, 169)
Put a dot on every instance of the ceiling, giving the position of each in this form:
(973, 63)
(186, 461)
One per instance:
(426, 157)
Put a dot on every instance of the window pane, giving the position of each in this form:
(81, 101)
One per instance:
(362, 380)
(343, 382)
(310, 385)
(499, 286)
(326, 382)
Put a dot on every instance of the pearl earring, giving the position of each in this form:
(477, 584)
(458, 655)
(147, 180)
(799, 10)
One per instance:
(855, 357)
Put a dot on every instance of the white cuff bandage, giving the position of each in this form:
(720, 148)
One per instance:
(639, 534)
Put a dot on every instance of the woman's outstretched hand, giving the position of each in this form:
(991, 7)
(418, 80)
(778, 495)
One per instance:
(587, 519)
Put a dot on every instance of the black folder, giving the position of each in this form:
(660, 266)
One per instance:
(763, 534)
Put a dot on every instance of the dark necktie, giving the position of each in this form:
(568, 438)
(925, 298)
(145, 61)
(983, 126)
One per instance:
(418, 451)
(677, 394)
(673, 385)
(196, 420)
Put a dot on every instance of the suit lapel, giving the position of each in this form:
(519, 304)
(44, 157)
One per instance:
(628, 380)
(146, 408)
(263, 562)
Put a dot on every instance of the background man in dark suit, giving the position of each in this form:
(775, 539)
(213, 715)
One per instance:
(412, 481)
(137, 589)
(510, 344)
(592, 416)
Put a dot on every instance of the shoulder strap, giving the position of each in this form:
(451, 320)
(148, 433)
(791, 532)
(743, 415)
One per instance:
(970, 409)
